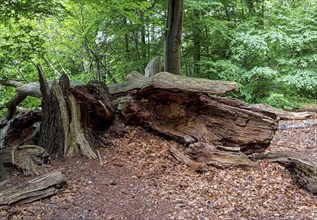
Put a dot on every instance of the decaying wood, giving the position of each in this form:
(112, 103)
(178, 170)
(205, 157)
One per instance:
(72, 116)
(181, 107)
(168, 81)
(35, 189)
(134, 75)
(285, 115)
(154, 66)
(218, 157)
(21, 130)
(31, 89)
(178, 155)
(3, 172)
(196, 117)
(303, 169)
(28, 158)
(200, 155)
(54, 126)
(298, 126)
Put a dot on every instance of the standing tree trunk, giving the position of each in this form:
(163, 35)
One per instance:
(197, 30)
(250, 6)
(173, 37)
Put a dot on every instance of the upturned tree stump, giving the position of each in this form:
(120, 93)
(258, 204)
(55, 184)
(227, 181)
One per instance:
(72, 116)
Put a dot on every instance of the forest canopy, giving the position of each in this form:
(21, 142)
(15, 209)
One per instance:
(267, 46)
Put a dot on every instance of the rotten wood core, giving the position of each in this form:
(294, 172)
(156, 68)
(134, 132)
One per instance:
(196, 117)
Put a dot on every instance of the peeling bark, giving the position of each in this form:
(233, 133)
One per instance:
(35, 189)
(28, 158)
(285, 115)
(73, 116)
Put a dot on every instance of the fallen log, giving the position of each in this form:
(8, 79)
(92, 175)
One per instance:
(199, 156)
(297, 126)
(168, 81)
(284, 115)
(302, 169)
(198, 117)
(181, 107)
(35, 189)
(28, 158)
(178, 155)
(220, 157)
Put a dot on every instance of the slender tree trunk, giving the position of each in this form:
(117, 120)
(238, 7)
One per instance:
(225, 3)
(173, 37)
(143, 39)
(197, 30)
(250, 6)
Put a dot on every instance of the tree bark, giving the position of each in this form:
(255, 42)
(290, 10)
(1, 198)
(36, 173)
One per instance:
(173, 37)
(3, 172)
(285, 115)
(32, 190)
(250, 6)
(168, 81)
(153, 67)
(197, 37)
(72, 117)
(28, 158)
(184, 109)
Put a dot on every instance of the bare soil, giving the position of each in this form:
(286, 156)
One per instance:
(139, 179)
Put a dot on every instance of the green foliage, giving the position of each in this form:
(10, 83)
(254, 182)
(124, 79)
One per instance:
(270, 51)
(280, 101)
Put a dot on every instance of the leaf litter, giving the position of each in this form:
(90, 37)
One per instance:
(139, 179)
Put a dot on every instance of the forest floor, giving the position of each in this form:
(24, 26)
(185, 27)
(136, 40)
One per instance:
(139, 179)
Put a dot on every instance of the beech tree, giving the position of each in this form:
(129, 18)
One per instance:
(173, 37)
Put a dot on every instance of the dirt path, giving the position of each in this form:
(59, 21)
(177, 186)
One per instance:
(140, 180)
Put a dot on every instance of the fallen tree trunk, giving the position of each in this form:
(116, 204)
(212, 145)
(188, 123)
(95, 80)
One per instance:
(35, 189)
(190, 116)
(285, 115)
(298, 126)
(171, 82)
(199, 156)
(181, 107)
(302, 169)
(220, 157)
